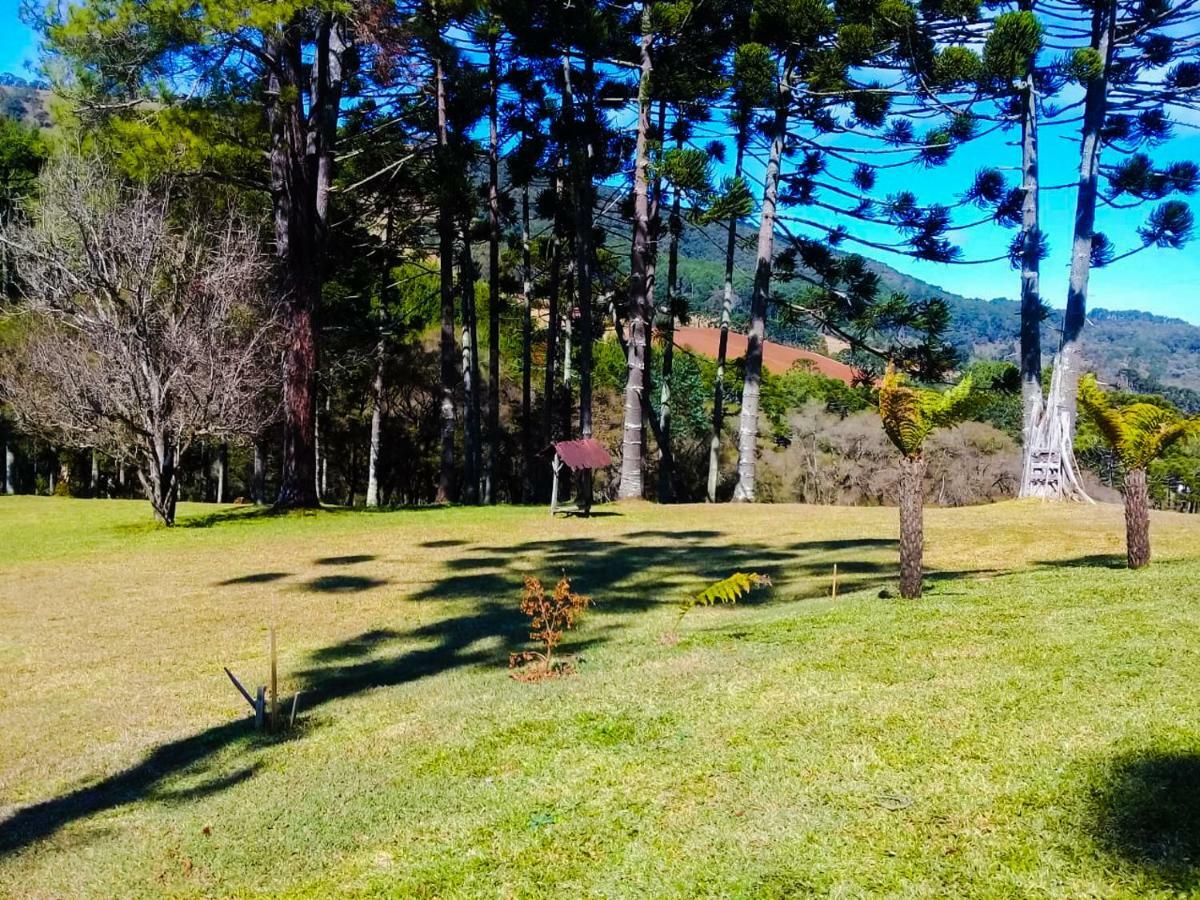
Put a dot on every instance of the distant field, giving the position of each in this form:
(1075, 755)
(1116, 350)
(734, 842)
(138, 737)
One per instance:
(1029, 729)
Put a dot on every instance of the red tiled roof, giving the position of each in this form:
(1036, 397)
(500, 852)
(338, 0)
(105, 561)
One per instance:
(776, 357)
(588, 453)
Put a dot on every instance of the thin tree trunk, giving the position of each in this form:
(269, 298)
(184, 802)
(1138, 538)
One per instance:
(260, 472)
(492, 462)
(1137, 519)
(748, 426)
(222, 471)
(527, 353)
(581, 187)
(912, 526)
(631, 486)
(470, 369)
(10, 465)
(666, 463)
(718, 416)
(1052, 472)
(445, 491)
(554, 325)
(376, 426)
(94, 480)
(319, 456)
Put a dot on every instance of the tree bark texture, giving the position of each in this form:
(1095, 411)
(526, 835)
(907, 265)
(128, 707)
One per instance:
(492, 460)
(912, 525)
(631, 486)
(1137, 519)
(376, 427)
(1051, 471)
(718, 414)
(748, 426)
(449, 369)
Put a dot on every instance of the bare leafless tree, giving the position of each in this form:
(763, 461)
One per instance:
(143, 329)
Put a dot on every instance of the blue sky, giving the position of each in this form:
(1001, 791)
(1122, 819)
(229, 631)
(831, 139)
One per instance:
(1166, 282)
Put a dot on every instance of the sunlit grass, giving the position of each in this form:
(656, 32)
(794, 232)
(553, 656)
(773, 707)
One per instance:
(999, 738)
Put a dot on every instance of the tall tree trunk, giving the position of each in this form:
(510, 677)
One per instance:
(553, 327)
(581, 189)
(1137, 519)
(748, 426)
(10, 465)
(526, 353)
(259, 487)
(222, 471)
(445, 491)
(639, 314)
(492, 462)
(376, 425)
(319, 455)
(718, 415)
(666, 463)
(301, 169)
(1031, 301)
(912, 526)
(1052, 472)
(470, 373)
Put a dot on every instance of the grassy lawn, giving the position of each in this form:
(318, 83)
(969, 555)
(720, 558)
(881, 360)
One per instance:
(1028, 729)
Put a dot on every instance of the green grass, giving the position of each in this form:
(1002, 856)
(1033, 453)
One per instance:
(1028, 729)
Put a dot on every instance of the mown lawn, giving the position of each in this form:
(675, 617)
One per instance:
(1028, 729)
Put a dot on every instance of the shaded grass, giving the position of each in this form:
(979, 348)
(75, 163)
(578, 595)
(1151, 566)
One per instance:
(1027, 730)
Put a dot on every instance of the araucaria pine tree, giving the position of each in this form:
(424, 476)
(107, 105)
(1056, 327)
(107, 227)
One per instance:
(1138, 433)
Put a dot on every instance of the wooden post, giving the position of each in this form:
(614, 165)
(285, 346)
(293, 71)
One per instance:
(274, 685)
(835, 581)
(555, 464)
(295, 702)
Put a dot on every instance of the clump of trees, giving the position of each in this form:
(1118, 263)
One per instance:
(141, 333)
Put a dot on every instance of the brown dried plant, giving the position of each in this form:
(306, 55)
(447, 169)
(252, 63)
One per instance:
(549, 617)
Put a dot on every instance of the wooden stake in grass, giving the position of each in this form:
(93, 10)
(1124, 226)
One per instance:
(834, 595)
(274, 685)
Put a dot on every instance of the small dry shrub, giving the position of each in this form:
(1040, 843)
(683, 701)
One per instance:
(549, 616)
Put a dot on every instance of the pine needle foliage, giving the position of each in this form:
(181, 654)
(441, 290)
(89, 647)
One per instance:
(1138, 432)
(911, 413)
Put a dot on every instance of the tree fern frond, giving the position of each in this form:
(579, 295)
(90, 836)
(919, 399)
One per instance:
(727, 590)
(910, 413)
(1139, 432)
(1108, 420)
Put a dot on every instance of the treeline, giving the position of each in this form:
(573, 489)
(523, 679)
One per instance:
(400, 248)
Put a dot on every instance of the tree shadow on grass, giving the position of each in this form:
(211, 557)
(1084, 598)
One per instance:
(350, 560)
(1146, 811)
(343, 584)
(337, 672)
(253, 578)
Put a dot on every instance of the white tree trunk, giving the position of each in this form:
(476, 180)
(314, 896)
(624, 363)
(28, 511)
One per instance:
(376, 430)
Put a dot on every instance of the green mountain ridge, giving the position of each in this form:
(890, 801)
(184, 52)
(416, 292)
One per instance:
(1136, 349)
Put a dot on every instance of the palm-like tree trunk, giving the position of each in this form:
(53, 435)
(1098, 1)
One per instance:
(1137, 519)
(912, 525)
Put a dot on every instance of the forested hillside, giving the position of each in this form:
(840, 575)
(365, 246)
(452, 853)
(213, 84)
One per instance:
(1161, 350)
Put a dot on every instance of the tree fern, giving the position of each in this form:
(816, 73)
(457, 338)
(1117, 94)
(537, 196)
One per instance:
(727, 590)
(1139, 433)
(910, 413)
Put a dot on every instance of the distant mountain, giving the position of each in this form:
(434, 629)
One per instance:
(25, 101)
(1116, 345)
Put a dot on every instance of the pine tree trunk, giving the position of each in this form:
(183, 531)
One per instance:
(470, 370)
(912, 526)
(376, 427)
(301, 172)
(449, 370)
(1137, 519)
(492, 460)
(1051, 470)
(553, 327)
(666, 464)
(718, 414)
(1031, 301)
(527, 353)
(748, 426)
(639, 315)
